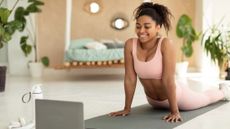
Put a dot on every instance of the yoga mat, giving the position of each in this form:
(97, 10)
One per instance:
(145, 117)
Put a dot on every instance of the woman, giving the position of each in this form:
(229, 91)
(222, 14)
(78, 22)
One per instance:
(152, 58)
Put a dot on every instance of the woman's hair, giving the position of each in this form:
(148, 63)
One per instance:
(159, 13)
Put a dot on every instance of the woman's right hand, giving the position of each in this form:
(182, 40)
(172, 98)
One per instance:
(124, 112)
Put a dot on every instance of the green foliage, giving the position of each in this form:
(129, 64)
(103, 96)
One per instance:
(45, 61)
(185, 30)
(25, 48)
(8, 28)
(216, 43)
(4, 14)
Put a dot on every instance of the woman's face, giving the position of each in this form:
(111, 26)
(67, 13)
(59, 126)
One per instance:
(146, 28)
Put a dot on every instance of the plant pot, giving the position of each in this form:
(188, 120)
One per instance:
(36, 69)
(181, 68)
(222, 69)
(2, 78)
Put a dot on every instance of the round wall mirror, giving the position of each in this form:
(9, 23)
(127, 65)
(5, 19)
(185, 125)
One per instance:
(93, 6)
(119, 23)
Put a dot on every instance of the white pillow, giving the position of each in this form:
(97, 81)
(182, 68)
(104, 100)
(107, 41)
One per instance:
(106, 41)
(95, 45)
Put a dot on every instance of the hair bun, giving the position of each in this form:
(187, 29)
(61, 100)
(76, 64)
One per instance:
(161, 14)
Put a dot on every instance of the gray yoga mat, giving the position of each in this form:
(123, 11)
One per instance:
(145, 117)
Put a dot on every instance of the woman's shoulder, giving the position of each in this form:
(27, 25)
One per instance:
(166, 41)
(167, 44)
(129, 42)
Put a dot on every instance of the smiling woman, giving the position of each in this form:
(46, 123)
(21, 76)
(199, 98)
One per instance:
(151, 59)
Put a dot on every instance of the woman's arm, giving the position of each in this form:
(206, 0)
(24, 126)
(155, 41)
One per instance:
(130, 75)
(169, 64)
(129, 80)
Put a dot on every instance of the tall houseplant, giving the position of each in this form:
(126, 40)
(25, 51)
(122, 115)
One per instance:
(216, 43)
(18, 23)
(9, 27)
(185, 31)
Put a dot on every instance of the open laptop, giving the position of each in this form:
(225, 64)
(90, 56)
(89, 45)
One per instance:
(56, 114)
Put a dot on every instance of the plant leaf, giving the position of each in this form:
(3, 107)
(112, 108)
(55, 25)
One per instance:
(19, 16)
(2, 31)
(4, 15)
(12, 26)
(187, 50)
(19, 13)
(34, 7)
(24, 46)
(38, 2)
(31, 0)
(6, 37)
(182, 24)
(45, 61)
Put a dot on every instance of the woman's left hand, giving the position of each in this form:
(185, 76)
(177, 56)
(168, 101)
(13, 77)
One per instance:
(173, 117)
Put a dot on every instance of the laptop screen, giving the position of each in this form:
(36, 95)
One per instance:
(55, 114)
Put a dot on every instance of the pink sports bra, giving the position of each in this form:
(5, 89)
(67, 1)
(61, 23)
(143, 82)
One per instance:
(151, 69)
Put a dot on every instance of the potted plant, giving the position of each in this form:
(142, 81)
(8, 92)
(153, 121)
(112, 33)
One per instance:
(186, 31)
(216, 43)
(2, 78)
(18, 23)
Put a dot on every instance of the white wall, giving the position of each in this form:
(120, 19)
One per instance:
(198, 26)
(221, 10)
(208, 67)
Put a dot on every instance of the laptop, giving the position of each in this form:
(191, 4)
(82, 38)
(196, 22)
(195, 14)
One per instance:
(56, 114)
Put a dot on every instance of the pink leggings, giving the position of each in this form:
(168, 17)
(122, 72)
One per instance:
(188, 99)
